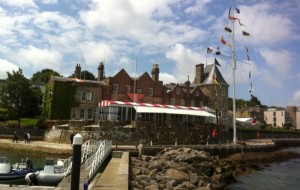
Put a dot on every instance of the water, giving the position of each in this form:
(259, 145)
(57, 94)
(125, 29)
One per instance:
(278, 176)
(38, 161)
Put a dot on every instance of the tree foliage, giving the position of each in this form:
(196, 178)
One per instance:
(43, 76)
(18, 97)
(86, 75)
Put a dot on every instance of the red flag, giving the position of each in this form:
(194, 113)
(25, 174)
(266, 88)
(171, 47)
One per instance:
(214, 132)
(224, 42)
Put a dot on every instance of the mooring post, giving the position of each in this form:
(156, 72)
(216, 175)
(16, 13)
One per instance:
(76, 161)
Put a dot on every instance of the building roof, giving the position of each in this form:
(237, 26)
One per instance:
(211, 71)
(159, 108)
(65, 79)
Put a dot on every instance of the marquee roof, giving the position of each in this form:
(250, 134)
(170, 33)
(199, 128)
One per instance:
(159, 108)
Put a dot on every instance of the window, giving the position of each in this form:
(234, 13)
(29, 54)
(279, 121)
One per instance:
(83, 96)
(172, 101)
(139, 90)
(115, 88)
(178, 91)
(150, 92)
(197, 93)
(192, 103)
(182, 102)
(274, 114)
(223, 91)
(73, 113)
(201, 103)
(127, 88)
(89, 96)
(81, 114)
(90, 113)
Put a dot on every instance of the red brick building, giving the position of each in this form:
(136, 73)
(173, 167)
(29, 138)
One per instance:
(208, 89)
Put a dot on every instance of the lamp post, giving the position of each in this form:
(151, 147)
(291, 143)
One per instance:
(75, 173)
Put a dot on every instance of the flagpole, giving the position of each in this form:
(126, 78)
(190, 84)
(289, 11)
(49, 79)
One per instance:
(233, 78)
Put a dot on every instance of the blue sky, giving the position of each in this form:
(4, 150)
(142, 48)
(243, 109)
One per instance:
(58, 34)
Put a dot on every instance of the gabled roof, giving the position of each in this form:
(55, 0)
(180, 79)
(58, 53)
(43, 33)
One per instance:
(64, 79)
(209, 72)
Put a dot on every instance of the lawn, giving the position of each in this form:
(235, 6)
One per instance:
(25, 121)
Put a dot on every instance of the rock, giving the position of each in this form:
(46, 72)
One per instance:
(185, 185)
(151, 187)
(193, 178)
(176, 174)
(171, 184)
(155, 164)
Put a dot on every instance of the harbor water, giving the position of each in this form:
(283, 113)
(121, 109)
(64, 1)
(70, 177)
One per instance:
(277, 176)
(38, 161)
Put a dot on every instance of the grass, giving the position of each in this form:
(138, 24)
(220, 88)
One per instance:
(25, 121)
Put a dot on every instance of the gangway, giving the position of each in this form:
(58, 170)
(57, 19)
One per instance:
(93, 153)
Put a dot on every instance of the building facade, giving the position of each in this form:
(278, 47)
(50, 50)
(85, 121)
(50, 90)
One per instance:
(78, 99)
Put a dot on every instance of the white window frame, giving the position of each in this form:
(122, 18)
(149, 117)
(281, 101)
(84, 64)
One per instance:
(150, 92)
(139, 90)
(182, 102)
(172, 101)
(127, 89)
(177, 91)
(89, 96)
(115, 88)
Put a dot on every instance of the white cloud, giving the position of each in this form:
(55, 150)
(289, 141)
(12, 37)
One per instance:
(267, 24)
(138, 21)
(168, 78)
(38, 59)
(296, 98)
(185, 60)
(6, 66)
(199, 8)
(279, 61)
(49, 1)
(94, 53)
(20, 3)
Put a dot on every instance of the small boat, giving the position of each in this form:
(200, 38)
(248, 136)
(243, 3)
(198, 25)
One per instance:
(52, 174)
(10, 172)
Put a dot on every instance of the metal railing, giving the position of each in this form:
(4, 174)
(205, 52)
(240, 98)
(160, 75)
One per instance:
(95, 160)
(88, 149)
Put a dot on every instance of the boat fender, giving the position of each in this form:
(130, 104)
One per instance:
(33, 179)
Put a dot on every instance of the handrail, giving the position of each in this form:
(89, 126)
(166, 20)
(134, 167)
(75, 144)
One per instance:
(88, 148)
(93, 162)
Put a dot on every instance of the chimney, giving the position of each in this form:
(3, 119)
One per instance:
(78, 71)
(155, 72)
(100, 71)
(199, 73)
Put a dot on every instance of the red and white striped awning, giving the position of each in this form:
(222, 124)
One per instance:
(159, 108)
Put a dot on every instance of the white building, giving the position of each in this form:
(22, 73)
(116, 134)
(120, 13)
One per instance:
(298, 120)
(276, 118)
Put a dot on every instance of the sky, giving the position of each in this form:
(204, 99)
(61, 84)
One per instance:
(135, 34)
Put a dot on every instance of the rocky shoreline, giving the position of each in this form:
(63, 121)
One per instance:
(185, 168)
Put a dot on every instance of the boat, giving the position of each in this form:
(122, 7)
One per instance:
(52, 174)
(17, 171)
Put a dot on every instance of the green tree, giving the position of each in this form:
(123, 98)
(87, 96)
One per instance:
(86, 75)
(43, 76)
(16, 95)
(255, 100)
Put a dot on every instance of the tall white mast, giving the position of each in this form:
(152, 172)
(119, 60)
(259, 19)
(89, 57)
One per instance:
(233, 78)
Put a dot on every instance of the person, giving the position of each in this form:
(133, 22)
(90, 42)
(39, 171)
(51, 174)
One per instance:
(208, 139)
(25, 137)
(15, 138)
(28, 137)
(71, 137)
(29, 164)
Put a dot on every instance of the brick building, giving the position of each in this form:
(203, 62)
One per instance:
(208, 89)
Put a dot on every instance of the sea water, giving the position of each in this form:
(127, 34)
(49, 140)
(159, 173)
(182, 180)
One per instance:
(277, 176)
